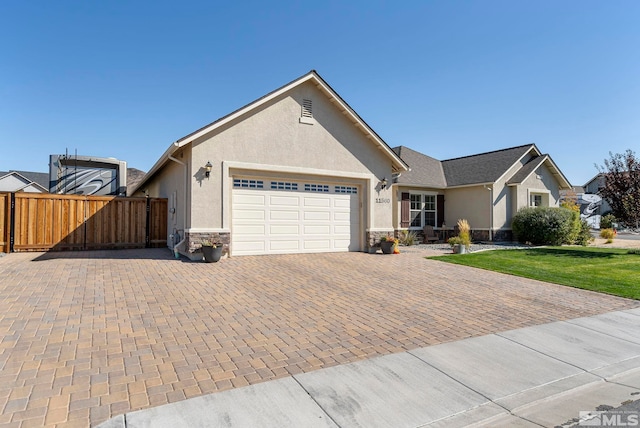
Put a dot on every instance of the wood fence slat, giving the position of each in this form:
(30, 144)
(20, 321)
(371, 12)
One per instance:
(74, 222)
(5, 216)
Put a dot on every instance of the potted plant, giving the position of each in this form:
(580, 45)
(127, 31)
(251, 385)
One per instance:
(387, 244)
(212, 251)
(457, 245)
(462, 242)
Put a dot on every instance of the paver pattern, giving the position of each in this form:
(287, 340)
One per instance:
(86, 336)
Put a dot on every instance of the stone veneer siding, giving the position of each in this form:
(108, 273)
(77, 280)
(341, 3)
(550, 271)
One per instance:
(503, 235)
(373, 238)
(194, 240)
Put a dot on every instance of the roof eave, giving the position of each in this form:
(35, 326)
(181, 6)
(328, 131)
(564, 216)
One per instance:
(156, 167)
(420, 186)
(559, 174)
(398, 164)
(532, 146)
(460, 186)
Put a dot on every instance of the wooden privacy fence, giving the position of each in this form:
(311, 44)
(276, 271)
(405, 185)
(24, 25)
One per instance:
(41, 222)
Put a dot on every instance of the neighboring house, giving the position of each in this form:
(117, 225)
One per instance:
(295, 171)
(24, 181)
(487, 189)
(298, 171)
(592, 205)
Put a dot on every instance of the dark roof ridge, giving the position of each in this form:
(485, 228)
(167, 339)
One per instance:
(490, 152)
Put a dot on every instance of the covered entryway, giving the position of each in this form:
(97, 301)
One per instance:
(281, 217)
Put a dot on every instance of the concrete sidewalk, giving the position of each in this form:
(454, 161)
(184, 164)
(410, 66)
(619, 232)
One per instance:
(535, 376)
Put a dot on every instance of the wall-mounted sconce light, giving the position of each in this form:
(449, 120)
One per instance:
(383, 183)
(207, 169)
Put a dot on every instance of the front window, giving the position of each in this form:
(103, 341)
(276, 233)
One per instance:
(536, 200)
(423, 210)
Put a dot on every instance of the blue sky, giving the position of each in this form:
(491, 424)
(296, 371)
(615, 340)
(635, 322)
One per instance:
(447, 78)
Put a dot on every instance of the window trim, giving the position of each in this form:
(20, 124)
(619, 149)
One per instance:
(423, 209)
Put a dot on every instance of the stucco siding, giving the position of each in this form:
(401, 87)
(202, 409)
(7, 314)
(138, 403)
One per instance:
(171, 183)
(470, 203)
(273, 136)
(540, 182)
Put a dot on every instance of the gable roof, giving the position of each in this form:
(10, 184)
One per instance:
(38, 179)
(483, 168)
(531, 166)
(312, 76)
(528, 168)
(425, 171)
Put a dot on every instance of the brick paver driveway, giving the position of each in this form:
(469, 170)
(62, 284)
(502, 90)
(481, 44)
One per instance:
(86, 336)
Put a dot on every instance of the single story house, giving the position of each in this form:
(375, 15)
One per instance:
(24, 181)
(486, 189)
(299, 171)
(295, 171)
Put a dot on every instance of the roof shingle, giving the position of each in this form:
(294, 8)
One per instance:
(425, 170)
(482, 168)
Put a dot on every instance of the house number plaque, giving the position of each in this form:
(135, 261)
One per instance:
(383, 201)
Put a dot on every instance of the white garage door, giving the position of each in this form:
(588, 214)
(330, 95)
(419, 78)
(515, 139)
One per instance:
(279, 217)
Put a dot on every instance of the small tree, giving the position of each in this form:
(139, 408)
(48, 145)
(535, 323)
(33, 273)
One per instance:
(621, 188)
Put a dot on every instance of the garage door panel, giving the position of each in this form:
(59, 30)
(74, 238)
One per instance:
(342, 216)
(319, 244)
(252, 230)
(344, 244)
(284, 229)
(284, 201)
(272, 221)
(249, 214)
(284, 215)
(344, 202)
(252, 199)
(248, 247)
(285, 245)
(316, 229)
(317, 215)
(319, 201)
(342, 229)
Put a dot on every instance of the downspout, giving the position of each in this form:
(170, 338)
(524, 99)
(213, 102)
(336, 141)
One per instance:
(490, 189)
(176, 251)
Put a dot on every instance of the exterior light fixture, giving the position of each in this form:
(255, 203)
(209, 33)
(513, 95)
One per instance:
(383, 183)
(207, 169)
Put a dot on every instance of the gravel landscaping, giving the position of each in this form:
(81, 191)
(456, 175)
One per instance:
(446, 248)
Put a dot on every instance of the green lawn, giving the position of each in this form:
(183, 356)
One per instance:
(611, 271)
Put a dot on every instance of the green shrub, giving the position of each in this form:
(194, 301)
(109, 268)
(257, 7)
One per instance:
(608, 234)
(606, 221)
(546, 226)
(584, 236)
(580, 233)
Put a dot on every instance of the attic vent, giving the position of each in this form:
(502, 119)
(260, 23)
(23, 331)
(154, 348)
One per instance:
(307, 108)
(306, 115)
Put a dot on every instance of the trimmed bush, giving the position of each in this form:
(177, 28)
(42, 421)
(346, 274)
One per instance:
(608, 234)
(546, 225)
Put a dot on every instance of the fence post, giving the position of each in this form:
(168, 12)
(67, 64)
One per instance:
(12, 221)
